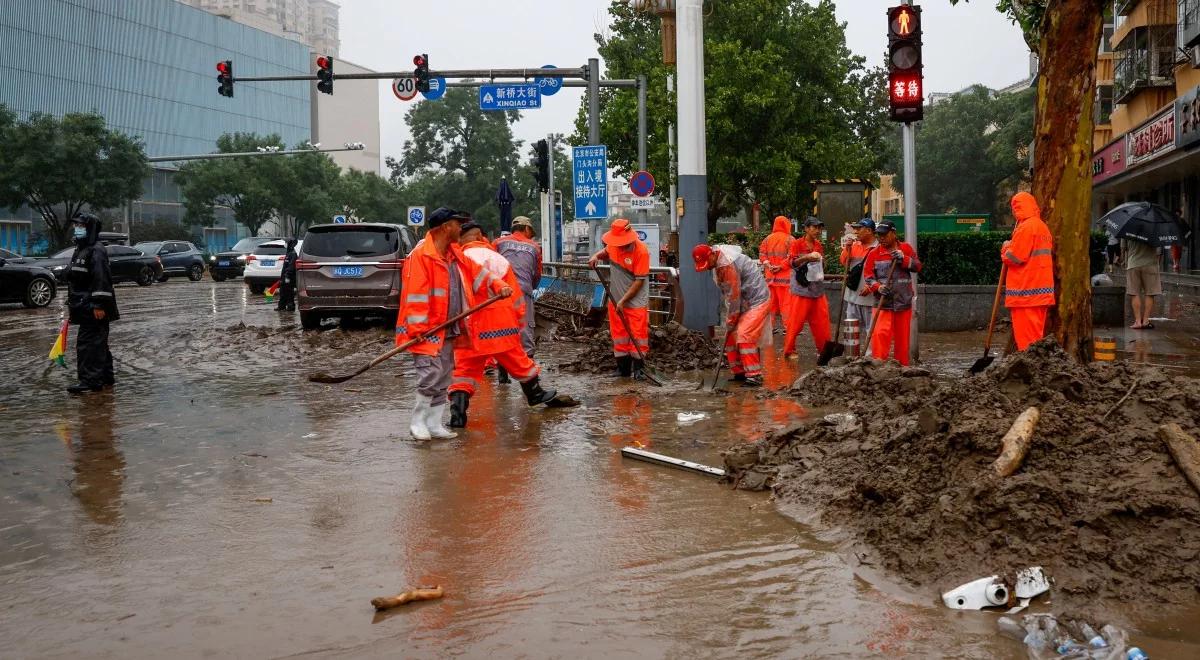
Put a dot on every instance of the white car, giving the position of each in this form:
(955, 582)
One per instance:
(264, 265)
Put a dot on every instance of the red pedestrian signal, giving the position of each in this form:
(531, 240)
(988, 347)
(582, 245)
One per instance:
(906, 89)
(325, 74)
(421, 73)
(225, 78)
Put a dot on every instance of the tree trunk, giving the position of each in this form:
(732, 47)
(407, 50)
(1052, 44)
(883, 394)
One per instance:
(1062, 178)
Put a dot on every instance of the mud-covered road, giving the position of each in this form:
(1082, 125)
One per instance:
(217, 504)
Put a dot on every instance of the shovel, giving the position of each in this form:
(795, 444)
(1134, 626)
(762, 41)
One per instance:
(646, 370)
(834, 347)
(322, 377)
(716, 372)
(878, 304)
(987, 359)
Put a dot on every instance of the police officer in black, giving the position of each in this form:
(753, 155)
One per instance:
(91, 305)
(287, 279)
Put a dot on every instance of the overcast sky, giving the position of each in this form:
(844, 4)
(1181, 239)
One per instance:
(964, 45)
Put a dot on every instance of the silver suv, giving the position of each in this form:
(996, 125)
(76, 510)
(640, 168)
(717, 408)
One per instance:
(350, 270)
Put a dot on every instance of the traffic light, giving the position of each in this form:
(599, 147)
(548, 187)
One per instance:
(542, 149)
(906, 87)
(325, 74)
(225, 78)
(421, 73)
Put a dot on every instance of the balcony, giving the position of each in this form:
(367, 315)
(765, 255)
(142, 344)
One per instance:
(1144, 59)
(1189, 23)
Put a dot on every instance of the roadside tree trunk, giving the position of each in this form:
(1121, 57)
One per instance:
(1062, 181)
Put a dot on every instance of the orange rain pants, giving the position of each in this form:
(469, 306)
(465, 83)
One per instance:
(639, 323)
(891, 328)
(468, 368)
(814, 312)
(1028, 324)
(741, 342)
(781, 303)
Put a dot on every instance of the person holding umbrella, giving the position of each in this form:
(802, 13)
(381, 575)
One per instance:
(1028, 259)
(1143, 282)
(1144, 229)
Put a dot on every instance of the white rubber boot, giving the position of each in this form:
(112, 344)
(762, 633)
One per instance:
(417, 427)
(433, 421)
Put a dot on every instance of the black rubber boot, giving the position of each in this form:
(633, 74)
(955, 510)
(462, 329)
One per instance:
(534, 394)
(739, 377)
(459, 402)
(80, 388)
(638, 368)
(503, 379)
(625, 366)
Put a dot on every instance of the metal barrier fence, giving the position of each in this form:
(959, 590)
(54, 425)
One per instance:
(577, 281)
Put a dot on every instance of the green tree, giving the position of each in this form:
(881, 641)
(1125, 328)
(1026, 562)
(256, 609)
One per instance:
(306, 190)
(457, 156)
(525, 186)
(59, 166)
(371, 198)
(786, 102)
(1064, 34)
(247, 186)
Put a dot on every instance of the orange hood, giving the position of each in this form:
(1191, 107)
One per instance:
(1024, 207)
(782, 224)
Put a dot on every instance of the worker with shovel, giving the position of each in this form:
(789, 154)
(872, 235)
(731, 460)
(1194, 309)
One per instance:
(1028, 258)
(629, 284)
(745, 293)
(887, 273)
(438, 283)
(495, 332)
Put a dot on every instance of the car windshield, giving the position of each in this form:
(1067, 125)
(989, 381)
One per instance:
(148, 248)
(270, 250)
(63, 254)
(248, 244)
(352, 242)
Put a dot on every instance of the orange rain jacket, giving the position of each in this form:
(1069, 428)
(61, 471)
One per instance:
(1029, 256)
(496, 320)
(425, 299)
(774, 252)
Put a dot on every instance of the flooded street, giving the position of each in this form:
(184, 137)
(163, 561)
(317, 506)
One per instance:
(216, 503)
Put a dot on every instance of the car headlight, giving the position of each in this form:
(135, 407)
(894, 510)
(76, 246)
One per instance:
(58, 268)
(212, 258)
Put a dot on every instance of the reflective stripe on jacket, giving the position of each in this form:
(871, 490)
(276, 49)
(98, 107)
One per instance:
(425, 295)
(1029, 256)
(773, 251)
(497, 327)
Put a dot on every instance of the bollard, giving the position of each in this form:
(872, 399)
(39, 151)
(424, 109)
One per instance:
(1104, 349)
(850, 336)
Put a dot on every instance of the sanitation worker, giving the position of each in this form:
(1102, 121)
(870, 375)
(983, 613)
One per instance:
(887, 273)
(91, 305)
(773, 253)
(494, 333)
(439, 282)
(525, 256)
(629, 283)
(1029, 282)
(859, 300)
(808, 297)
(744, 290)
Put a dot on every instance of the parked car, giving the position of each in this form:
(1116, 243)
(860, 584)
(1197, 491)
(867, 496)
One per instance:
(350, 270)
(26, 283)
(125, 263)
(265, 264)
(178, 258)
(232, 262)
(14, 258)
(113, 238)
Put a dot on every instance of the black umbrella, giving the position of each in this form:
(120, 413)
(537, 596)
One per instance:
(1145, 222)
(504, 198)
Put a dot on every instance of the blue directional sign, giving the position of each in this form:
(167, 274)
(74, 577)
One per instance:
(520, 96)
(339, 219)
(437, 89)
(416, 215)
(590, 176)
(549, 86)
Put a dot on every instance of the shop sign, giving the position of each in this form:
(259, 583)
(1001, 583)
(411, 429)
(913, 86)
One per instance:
(1152, 139)
(1187, 125)
(1108, 162)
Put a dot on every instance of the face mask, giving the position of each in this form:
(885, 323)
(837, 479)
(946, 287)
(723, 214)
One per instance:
(81, 232)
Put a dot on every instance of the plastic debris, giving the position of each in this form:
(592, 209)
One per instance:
(690, 417)
(1032, 582)
(977, 594)
(1045, 638)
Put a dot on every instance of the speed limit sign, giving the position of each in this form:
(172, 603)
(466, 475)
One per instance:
(405, 88)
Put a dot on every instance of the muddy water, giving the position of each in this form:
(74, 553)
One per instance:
(217, 504)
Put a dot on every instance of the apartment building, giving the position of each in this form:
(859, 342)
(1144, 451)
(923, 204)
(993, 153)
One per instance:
(313, 23)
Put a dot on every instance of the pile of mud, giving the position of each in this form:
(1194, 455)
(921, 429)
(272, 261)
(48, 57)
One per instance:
(673, 348)
(1098, 501)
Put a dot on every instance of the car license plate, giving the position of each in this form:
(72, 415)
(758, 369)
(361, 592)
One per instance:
(268, 262)
(347, 271)
(223, 262)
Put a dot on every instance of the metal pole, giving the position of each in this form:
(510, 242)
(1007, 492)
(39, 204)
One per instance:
(450, 73)
(671, 161)
(699, 293)
(627, 83)
(910, 223)
(554, 228)
(240, 154)
(594, 135)
(643, 214)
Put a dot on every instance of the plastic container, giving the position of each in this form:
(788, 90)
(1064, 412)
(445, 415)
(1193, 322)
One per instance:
(1136, 654)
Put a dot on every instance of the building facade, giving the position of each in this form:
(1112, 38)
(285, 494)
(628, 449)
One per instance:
(350, 114)
(148, 67)
(313, 23)
(1147, 141)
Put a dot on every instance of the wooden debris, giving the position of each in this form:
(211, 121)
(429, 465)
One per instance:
(1016, 443)
(1185, 450)
(420, 593)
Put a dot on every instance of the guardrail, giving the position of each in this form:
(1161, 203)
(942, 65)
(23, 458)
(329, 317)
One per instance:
(578, 281)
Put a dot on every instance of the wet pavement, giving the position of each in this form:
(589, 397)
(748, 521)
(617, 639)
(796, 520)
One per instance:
(215, 503)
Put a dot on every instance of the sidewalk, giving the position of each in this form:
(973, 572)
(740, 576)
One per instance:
(1174, 342)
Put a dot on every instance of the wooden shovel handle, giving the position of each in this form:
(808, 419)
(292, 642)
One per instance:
(987, 344)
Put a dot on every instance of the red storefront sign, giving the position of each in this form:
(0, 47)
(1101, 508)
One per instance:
(1152, 139)
(1108, 162)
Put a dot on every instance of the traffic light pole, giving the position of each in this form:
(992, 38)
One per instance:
(243, 154)
(910, 219)
(699, 292)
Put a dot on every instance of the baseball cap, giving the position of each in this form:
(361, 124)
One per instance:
(469, 225)
(884, 227)
(620, 233)
(522, 221)
(443, 215)
(810, 221)
(700, 255)
(866, 223)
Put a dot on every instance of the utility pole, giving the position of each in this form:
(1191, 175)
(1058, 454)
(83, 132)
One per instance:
(671, 161)
(593, 80)
(641, 91)
(699, 293)
(555, 250)
(910, 222)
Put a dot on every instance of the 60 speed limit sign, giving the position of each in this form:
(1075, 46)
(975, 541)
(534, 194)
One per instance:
(405, 88)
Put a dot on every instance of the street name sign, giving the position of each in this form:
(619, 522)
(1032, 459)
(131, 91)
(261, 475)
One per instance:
(521, 96)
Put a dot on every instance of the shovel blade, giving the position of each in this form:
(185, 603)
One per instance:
(829, 351)
(981, 364)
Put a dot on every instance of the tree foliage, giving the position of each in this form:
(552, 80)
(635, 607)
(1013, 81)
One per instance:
(244, 185)
(60, 166)
(786, 102)
(369, 197)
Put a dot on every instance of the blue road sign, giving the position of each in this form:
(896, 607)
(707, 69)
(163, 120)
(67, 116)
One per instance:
(339, 219)
(590, 176)
(416, 215)
(437, 89)
(642, 183)
(520, 96)
(549, 86)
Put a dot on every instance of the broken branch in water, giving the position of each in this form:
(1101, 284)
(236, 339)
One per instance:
(1016, 443)
(1185, 450)
(420, 593)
